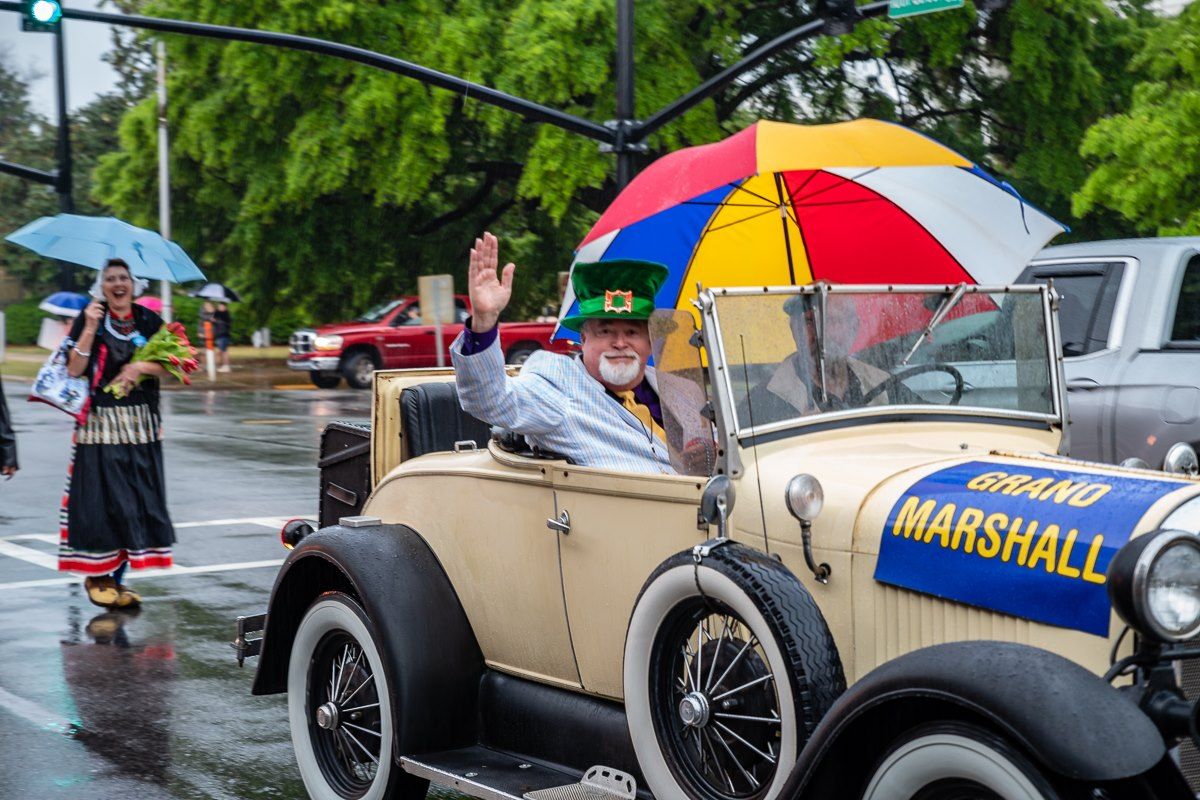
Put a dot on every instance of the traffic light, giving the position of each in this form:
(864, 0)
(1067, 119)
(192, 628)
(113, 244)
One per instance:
(41, 16)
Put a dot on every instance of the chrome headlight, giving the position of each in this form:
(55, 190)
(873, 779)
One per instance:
(327, 343)
(1181, 460)
(805, 497)
(1154, 585)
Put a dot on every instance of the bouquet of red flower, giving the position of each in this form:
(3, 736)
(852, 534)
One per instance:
(169, 348)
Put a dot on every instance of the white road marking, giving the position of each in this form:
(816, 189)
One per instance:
(50, 538)
(29, 554)
(32, 712)
(63, 580)
(266, 522)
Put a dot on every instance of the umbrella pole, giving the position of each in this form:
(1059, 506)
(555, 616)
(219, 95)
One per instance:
(783, 220)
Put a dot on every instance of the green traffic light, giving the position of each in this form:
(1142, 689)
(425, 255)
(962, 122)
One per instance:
(47, 12)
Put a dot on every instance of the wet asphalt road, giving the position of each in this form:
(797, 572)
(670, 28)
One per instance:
(151, 704)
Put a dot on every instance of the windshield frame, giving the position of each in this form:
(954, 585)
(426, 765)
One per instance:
(734, 435)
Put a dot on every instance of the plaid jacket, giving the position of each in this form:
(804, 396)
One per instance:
(557, 406)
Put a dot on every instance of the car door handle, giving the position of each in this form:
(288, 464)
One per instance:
(562, 524)
(1083, 383)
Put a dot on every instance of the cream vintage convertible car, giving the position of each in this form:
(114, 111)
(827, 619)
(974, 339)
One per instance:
(914, 595)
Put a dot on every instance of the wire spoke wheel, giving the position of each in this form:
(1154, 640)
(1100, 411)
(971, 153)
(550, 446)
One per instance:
(714, 703)
(344, 714)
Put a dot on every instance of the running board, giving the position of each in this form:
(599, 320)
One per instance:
(486, 773)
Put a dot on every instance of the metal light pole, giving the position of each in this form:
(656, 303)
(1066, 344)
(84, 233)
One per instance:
(63, 182)
(625, 106)
(164, 170)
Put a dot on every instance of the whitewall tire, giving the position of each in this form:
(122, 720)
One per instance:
(953, 761)
(728, 667)
(339, 706)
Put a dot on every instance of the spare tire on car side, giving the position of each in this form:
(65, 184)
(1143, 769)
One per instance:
(729, 666)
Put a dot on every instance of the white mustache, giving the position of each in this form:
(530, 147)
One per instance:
(622, 354)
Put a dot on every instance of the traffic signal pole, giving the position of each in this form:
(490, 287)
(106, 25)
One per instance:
(625, 137)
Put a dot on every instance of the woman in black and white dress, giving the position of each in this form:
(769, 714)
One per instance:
(114, 511)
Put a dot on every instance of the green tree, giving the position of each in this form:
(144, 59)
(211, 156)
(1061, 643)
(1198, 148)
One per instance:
(318, 184)
(25, 138)
(1147, 159)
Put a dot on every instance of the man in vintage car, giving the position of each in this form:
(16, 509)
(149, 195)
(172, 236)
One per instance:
(825, 373)
(601, 410)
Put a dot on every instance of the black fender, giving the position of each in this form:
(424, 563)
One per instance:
(1072, 722)
(434, 664)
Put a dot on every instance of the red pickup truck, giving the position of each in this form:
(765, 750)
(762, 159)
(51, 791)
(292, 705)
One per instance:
(392, 335)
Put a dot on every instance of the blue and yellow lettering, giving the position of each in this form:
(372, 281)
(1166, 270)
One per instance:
(1033, 487)
(1006, 485)
(1061, 491)
(1016, 537)
(1089, 566)
(968, 524)
(991, 529)
(981, 483)
(940, 527)
(1046, 548)
(1089, 494)
(912, 518)
(1064, 567)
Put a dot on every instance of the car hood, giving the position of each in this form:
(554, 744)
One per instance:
(347, 328)
(1003, 528)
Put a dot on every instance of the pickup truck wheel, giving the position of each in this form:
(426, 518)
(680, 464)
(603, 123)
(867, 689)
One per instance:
(955, 761)
(729, 665)
(339, 707)
(325, 380)
(520, 353)
(358, 369)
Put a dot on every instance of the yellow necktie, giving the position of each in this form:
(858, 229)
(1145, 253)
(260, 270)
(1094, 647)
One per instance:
(642, 412)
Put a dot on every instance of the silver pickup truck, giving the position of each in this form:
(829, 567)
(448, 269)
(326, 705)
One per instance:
(1130, 321)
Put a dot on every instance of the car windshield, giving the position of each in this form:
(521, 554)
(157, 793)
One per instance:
(792, 356)
(378, 312)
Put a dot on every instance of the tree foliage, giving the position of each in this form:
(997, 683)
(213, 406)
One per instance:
(316, 183)
(1148, 158)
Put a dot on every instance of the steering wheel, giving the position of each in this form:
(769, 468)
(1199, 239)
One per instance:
(921, 369)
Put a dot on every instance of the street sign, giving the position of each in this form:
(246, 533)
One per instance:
(898, 9)
(437, 307)
(437, 299)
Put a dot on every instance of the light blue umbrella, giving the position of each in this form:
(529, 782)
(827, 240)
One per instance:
(64, 304)
(91, 241)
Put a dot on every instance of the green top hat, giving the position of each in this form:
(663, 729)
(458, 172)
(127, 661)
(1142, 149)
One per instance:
(618, 289)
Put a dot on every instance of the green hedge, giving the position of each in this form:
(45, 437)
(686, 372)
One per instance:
(23, 322)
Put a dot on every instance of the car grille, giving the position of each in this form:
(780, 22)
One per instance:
(1189, 757)
(302, 341)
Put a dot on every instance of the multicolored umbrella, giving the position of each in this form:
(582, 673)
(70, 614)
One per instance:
(852, 202)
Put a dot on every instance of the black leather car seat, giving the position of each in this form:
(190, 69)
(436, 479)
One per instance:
(431, 420)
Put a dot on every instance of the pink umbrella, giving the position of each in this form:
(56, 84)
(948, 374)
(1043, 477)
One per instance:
(150, 302)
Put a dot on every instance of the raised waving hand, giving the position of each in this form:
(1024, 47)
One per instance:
(490, 289)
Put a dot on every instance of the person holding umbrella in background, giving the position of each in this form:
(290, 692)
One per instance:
(216, 310)
(223, 324)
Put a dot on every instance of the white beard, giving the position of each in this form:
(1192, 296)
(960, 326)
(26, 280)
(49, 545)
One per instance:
(619, 375)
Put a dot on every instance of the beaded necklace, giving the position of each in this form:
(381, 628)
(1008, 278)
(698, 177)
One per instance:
(128, 327)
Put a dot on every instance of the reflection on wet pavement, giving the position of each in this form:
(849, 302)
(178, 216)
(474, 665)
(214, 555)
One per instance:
(150, 704)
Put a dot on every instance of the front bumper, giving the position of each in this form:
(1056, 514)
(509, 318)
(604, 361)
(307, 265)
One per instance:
(318, 364)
